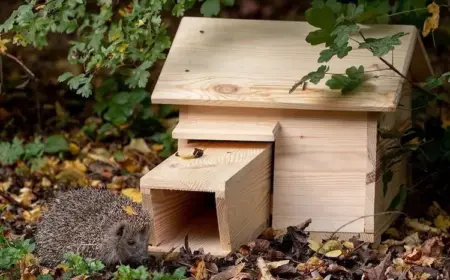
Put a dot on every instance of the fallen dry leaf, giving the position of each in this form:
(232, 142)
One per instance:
(139, 145)
(432, 22)
(201, 272)
(442, 222)
(229, 273)
(415, 224)
(273, 265)
(333, 253)
(129, 210)
(133, 193)
(264, 270)
(378, 272)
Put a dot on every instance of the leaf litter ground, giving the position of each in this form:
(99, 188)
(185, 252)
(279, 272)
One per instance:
(413, 249)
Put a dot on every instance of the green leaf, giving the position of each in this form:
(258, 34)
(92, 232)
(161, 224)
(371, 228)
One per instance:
(179, 272)
(382, 46)
(139, 76)
(353, 11)
(340, 51)
(64, 77)
(334, 5)
(346, 83)
(44, 277)
(56, 144)
(321, 17)
(318, 37)
(398, 199)
(34, 149)
(10, 153)
(106, 130)
(210, 8)
(228, 3)
(37, 163)
(314, 77)
(342, 33)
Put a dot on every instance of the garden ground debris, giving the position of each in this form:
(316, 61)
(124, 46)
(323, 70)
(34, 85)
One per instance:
(413, 249)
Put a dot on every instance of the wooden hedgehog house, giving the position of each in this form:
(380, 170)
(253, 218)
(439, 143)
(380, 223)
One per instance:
(271, 158)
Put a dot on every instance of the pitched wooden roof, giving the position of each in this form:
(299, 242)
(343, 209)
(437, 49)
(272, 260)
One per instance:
(254, 63)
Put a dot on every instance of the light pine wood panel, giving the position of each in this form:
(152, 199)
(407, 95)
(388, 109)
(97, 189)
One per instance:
(319, 165)
(376, 201)
(248, 196)
(219, 200)
(226, 131)
(254, 63)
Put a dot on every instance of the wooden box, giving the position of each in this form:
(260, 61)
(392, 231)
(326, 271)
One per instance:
(231, 79)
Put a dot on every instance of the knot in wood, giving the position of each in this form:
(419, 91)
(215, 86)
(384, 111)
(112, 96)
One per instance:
(226, 89)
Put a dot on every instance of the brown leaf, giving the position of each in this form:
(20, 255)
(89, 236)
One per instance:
(229, 273)
(242, 276)
(284, 269)
(433, 247)
(259, 245)
(378, 272)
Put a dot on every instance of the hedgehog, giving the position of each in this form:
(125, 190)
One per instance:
(93, 223)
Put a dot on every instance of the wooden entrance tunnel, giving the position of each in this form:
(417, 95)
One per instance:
(314, 153)
(221, 200)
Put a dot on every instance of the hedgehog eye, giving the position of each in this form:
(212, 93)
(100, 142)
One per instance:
(130, 242)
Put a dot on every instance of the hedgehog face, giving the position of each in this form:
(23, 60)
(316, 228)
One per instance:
(132, 244)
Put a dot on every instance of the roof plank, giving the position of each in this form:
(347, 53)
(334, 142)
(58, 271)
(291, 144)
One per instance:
(254, 63)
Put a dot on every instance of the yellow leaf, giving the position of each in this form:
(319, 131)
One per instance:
(122, 47)
(3, 43)
(4, 186)
(39, 7)
(45, 182)
(33, 215)
(331, 245)
(133, 193)
(200, 271)
(26, 196)
(130, 210)
(140, 23)
(442, 222)
(349, 245)
(333, 254)
(18, 39)
(313, 245)
(63, 267)
(432, 22)
(415, 224)
(157, 147)
(74, 149)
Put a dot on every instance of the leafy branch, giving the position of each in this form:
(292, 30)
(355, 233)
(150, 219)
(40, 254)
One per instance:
(111, 38)
(336, 23)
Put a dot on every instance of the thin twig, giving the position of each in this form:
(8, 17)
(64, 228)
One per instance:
(11, 200)
(414, 85)
(355, 40)
(362, 217)
(10, 56)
